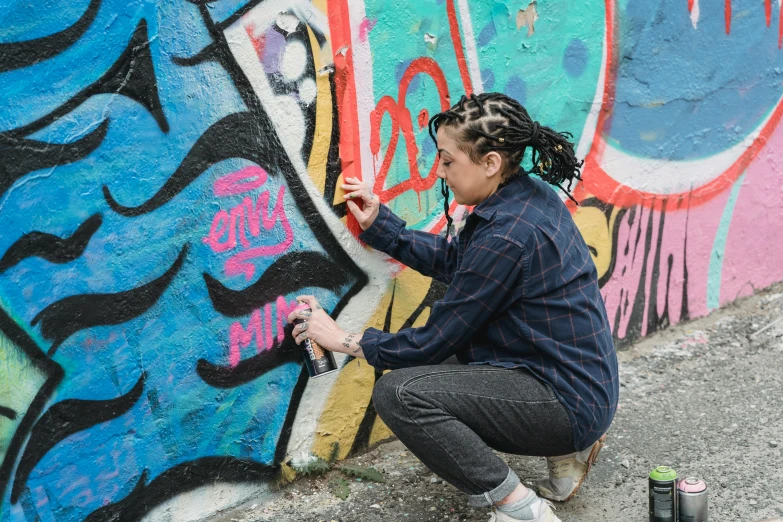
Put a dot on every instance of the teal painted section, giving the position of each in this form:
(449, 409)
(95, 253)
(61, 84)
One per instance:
(715, 274)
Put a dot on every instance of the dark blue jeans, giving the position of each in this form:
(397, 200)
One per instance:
(452, 416)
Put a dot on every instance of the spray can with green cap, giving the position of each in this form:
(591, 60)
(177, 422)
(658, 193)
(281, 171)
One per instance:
(663, 494)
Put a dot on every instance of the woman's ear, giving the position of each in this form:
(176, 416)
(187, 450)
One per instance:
(493, 164)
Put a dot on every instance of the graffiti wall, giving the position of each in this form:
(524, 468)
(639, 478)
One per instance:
(169, 182)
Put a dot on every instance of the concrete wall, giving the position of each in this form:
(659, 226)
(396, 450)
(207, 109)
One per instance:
(169, 179)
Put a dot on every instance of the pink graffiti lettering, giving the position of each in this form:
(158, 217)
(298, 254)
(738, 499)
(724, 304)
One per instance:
(227, 225)
(241, 181)
(260, 327)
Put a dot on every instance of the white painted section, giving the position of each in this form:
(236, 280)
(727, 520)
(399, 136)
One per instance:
(207, 501)
(471, 53)
(286, 22)
(666, 176)
(695, 14)
(360, 309)
(293, 61)
(365, 95)
(308, 90)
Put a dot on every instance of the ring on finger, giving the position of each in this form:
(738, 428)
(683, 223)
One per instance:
(304, 325)
(302, 336)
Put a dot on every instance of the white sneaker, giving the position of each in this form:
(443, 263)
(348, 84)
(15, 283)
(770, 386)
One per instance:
(568, 472)
(546, 514)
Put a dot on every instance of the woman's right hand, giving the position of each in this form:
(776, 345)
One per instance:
(355, 188)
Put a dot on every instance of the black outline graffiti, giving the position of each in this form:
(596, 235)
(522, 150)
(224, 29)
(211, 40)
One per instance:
(235, 136)
(7, 412)
(233, 17)
(16, 55)
(20, 156)
(288, 273)
(65, 317)
(134, 67)
(183, 477)
(207, 54)
(308, 210)
(64, 419)
(251, 368)
(132, 76)
(334, 165)
(644, 232)
(50, 247)
(54, 374)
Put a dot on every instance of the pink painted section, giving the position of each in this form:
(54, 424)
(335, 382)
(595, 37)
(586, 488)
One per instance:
(754, 246)
(259, 328)
(620, 291)
(229, 229)
(697, 487)
(703, 225)
(365, 27)
(241, 337)
(241, 181)
(672, 234)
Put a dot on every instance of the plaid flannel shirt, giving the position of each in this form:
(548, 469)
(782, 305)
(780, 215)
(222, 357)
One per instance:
(522, 292)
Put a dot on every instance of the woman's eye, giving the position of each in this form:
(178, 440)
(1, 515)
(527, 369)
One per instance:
(446, 163)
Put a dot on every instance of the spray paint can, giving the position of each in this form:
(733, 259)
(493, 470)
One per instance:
(663, 494)
(319, 362)
(692, 499)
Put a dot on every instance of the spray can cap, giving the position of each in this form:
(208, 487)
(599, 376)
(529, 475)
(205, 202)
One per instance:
(692, 485)
(663, 473)
(301, 306)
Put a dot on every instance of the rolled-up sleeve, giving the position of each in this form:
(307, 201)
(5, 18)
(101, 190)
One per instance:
(429, 254)
(486, 278)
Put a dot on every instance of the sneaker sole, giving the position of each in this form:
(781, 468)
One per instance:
(590, 461)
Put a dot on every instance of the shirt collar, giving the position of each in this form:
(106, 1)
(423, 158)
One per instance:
(487, 208)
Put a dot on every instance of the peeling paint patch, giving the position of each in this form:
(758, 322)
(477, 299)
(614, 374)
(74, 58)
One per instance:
(430, 40)
(287, 22)
(527, 18)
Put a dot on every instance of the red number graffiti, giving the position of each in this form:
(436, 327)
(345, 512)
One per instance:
(401, 120)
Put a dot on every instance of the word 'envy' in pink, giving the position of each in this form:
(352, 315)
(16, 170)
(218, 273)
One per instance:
(230, 228)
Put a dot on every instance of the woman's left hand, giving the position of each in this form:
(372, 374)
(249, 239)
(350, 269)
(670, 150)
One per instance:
(318, 326)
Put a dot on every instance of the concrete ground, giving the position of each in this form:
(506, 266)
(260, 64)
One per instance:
(704, 397)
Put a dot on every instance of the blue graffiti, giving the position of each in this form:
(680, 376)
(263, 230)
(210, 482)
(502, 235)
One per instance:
(115, 136)
(687, 93)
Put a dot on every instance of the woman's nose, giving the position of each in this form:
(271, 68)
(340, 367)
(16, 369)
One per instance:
(440, 172)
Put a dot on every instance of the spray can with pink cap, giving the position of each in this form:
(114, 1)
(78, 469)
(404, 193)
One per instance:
(318, 361)
(692, 499)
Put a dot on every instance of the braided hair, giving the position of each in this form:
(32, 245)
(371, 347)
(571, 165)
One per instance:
(495, 122)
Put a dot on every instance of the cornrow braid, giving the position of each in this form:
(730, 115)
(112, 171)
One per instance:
(489, 122)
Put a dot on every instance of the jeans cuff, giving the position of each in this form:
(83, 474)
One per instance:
(490, 498)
